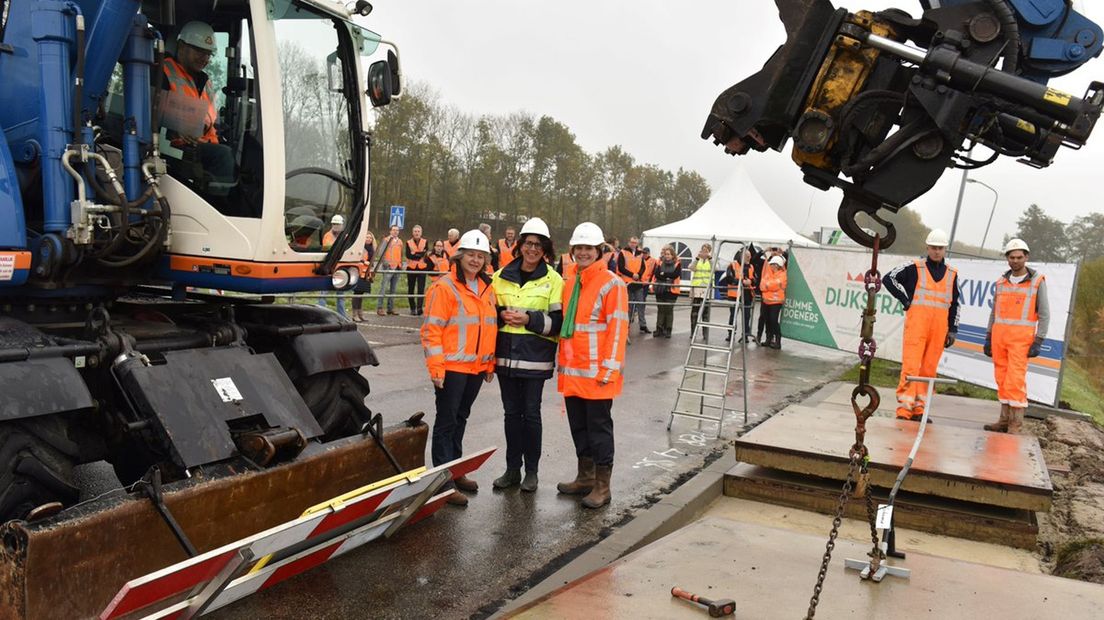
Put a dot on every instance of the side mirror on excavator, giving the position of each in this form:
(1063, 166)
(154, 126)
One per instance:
(384, 80)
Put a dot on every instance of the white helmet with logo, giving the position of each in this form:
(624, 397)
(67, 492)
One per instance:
(1016, 244)
(475, 240)
(198, 34)
(587, 233)
(535, 226)
(337, 220)
(938, 238)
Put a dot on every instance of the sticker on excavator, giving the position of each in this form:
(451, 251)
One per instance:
(224, 575)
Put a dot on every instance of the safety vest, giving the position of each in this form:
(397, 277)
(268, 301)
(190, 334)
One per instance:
(932, 294)
(773, 286)
(666, 280)
(460, 326)
(392, 253)
(649, 269)
(181, 81)
(596, 351)
(438, 263)
(451, 247)
(1014, 306)
(506, 251)
(733, 291)
(634, 264)
(414, 248)
(528, 351)
(366, 257)
(328, 239)
(567, 265)
(700, 276)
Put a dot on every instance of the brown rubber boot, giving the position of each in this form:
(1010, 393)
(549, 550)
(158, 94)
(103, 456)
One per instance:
(584, 480)
(1001, 425)
(1015, 420)
(600, 496)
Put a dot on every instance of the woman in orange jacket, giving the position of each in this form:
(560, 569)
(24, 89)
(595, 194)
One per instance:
(772, 287)
(458, 338)
(590, 360)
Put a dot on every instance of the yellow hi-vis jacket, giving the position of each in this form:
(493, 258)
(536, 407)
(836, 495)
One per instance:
(528, 351)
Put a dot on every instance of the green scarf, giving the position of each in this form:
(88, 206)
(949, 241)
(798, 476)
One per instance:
(567, 330)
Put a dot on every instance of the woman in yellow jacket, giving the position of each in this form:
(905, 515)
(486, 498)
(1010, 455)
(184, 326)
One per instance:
(458, 338)
(772, 287)
(591, 360)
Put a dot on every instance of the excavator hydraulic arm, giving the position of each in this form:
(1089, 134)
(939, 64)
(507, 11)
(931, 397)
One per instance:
(880, 105)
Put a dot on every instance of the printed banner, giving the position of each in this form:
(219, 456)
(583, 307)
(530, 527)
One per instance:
(825, 299)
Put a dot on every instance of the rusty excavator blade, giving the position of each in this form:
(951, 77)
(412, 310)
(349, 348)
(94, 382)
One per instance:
(71, 564)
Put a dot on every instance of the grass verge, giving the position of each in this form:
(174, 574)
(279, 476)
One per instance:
(885, 374)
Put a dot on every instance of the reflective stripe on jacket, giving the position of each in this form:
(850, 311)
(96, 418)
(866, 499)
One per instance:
(528, 351)
(932, 294)
(591, 361)
(1015, 305)
(773, 286)
(415, 254)
(459, 330)
(180, 80)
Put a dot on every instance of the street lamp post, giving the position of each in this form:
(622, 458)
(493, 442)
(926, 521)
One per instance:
(992, 210)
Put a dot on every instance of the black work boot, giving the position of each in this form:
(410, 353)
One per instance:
(530, 483)
(509, 479)
(600, 495)
(584, 480)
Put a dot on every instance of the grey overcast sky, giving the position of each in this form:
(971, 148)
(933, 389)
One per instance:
(644, 74)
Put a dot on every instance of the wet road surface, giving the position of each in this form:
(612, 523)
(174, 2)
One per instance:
(466, 562)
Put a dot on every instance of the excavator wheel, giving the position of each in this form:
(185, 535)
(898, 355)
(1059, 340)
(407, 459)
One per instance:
(327, 394)
(33, 471)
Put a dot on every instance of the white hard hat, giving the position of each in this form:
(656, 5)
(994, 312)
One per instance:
(475, 240)
(938, 238)
(1016, 244)
(198, 34)
(535, 226)
(587, 233)
(337, 220)
(778, 260)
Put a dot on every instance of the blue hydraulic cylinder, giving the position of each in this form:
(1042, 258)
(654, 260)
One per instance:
(52, 28)
(137, 59)
(107, 24)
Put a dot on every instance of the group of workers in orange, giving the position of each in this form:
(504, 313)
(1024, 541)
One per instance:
(522, 323)
(1018, 323)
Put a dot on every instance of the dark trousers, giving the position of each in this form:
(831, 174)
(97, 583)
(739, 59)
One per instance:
(521, 402)
(773, 314)
(415, 289)
(454, 403)
(591, 425)
(637, 294)
(665, 315)
(762, 323)
(696, 303)
(364, 287)
(749, 310)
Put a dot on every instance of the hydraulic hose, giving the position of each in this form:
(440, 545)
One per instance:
(1011, 29)
(78, 82)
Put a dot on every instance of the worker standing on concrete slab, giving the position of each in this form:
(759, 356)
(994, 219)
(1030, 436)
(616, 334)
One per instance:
(928, 290)
(1018, 326)
(529, 297)
(458, 338)
(591, 362)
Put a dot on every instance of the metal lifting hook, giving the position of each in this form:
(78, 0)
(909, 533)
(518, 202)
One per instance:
(850, 208)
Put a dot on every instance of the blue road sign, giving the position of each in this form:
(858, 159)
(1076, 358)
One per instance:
(398, 216)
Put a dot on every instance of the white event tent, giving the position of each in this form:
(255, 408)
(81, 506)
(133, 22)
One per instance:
(735, 212)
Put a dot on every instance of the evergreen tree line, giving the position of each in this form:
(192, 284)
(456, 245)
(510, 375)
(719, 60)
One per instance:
(450, 168)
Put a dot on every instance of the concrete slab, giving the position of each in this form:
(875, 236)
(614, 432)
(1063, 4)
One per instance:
(770, 573)
(953, 462)
(1007, 526)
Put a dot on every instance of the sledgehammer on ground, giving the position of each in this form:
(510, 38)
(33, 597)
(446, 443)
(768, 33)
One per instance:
(717, 609)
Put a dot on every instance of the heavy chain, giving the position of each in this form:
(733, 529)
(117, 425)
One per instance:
(858, 455)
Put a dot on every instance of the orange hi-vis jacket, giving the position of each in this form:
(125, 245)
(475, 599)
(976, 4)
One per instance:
(392, 252)
(567, 265)
(734, 289)
(438, 263)
(506, 251)
(413, 249)
(1015, 321)
(649, 268)
(450, 248)
(925, 332)
(773, 286)
(328, 239)
(634, 264)
(181, 81)
(591, 361)
(460, 326)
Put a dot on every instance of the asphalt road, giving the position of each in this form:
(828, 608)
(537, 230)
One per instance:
(466, 562)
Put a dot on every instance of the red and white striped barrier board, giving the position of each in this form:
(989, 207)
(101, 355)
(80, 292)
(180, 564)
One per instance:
(224, 575)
